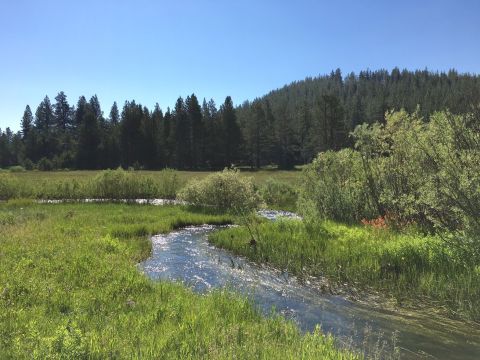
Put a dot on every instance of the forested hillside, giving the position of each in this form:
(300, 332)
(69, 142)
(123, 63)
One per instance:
(285, 127)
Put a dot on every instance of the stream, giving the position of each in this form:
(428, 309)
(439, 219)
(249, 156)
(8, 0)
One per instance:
(186, 256)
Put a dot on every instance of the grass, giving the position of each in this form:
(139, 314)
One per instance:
(260, 176)
(410, 267)
(69, 289)
(130, 184)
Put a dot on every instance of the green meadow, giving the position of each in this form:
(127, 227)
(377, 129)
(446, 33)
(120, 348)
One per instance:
(70, 289)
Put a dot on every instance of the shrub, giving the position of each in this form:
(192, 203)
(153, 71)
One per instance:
(406, 171)
(16, 168)
(334, 187)
(225, 190)
(45, 164)
(28, 164)
(8, 186)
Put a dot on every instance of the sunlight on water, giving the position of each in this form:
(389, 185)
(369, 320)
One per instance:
(186, 256)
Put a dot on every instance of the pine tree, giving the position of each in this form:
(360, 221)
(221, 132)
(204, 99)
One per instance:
(46, 144)
(182, 136)
(286, 141)
(160, 142)
(95, 107)
(214, 141)
(63, 113)
(233, 137)
(114, 114)
(131, 135)
(88, 141)
(169, 138)
(195, 121)
(80, 111)
(27, 122)
(44, 118)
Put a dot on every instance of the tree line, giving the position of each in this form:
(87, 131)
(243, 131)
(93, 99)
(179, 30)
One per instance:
(288, 126)
(189, 136)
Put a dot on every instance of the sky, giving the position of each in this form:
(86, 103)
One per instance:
(155, 51)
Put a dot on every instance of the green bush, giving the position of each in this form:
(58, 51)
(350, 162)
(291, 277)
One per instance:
(28, 164)
(16, 168)
(45, 164)
(334, 187)
(225, 190)
(406, 171)
(8, 186)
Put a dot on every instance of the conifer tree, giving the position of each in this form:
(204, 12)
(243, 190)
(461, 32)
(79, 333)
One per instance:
(195, 121)
(114, 114)
(27, 122)
(88, 141)
(63, 113)
(182, 136)
(233, 136)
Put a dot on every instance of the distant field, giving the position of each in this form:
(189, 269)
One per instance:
(278, 188)
(259, 176)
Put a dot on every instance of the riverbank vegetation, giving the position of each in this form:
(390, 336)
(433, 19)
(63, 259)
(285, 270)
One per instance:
(415, 186)
(69, 288)
(122, 184)
(222, 191)
(415, 270)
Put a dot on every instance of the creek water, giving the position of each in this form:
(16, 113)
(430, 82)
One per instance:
(186, 256)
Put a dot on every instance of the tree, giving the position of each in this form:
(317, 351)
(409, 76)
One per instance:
(27, 122)
(63, 113)
(46, 144)
(213, 140)
(6, 154)
(80, 110)
(151, 135)
(95, 107)
(169, 138)
(182, 136)
(88, 141)
(194, 113)
(114, 114)
(259, 134)
(44, 118)
(285, 137)
(233, 137)
(158, 157)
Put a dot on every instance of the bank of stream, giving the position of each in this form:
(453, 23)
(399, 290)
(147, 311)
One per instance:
(186, 256)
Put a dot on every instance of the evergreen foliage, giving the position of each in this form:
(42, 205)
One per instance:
(286, 127)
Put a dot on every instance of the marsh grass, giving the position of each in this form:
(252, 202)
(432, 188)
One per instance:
(413, 268)
(117, 184)
(279, 195)
(108, 184)
(69, 289)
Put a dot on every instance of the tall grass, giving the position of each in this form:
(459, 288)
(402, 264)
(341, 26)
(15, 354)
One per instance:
(69, 289)
(411, 267)
(157, 184)
(279, 195)
(108, 184)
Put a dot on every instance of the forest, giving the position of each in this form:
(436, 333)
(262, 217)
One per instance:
(288, 126)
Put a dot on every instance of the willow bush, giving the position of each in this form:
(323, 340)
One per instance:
(407, 171)
(225, 190)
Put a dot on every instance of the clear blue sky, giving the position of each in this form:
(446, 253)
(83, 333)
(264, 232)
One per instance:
(154, 51)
